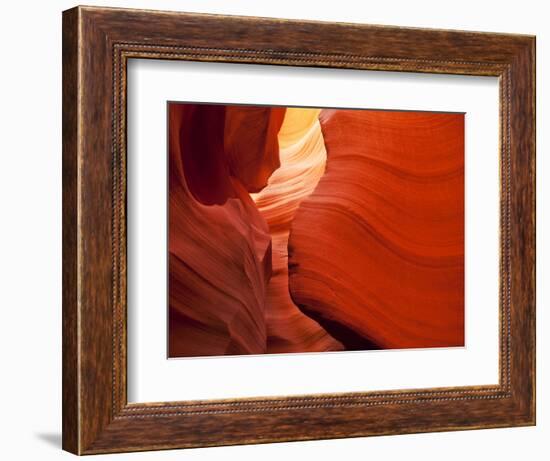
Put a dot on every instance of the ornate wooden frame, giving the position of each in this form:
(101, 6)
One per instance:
(97, 43)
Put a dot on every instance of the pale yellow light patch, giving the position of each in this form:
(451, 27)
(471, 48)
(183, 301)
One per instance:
(296, 124)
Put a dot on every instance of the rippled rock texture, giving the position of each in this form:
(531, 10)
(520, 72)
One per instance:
(308, 230)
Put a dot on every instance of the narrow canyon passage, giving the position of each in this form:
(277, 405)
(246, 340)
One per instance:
(303, 157)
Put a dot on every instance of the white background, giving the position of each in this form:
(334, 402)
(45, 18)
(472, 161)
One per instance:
(153, 378)
(30, 244)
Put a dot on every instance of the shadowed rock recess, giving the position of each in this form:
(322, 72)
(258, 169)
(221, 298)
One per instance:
(310, 230)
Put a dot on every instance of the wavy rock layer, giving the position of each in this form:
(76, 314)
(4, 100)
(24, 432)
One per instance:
(219, 244)
(376, 252)
(302, 163)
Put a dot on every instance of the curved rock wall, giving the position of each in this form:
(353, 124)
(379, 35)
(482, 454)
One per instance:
(388, 215)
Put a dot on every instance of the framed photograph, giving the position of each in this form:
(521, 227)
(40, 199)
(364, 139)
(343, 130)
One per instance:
(281, 230)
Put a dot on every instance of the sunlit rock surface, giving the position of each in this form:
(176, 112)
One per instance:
(302, 159)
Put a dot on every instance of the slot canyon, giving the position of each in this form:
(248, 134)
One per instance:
(310, 230)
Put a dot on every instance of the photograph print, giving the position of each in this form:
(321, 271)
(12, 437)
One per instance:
(299, 229)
